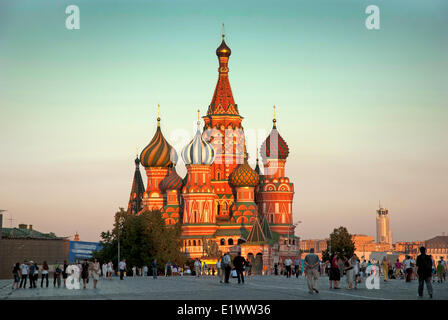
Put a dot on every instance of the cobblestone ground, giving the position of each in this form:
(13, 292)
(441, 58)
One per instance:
(209, 288)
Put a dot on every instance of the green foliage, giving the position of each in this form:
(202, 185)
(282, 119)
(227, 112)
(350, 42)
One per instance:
(340, 242)
(143, 238)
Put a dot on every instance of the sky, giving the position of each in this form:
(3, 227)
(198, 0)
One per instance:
(364, 112)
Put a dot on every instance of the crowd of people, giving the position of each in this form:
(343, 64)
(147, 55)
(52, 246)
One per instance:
(424, 268)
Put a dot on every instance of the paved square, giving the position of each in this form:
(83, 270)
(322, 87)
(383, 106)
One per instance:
(206, 288)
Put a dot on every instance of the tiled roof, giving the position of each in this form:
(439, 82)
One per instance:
(17, 233)
(256, 234)
(437, 242)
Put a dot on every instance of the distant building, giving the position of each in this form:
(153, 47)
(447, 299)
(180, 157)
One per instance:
(318, 245)
(383, 232)
(437, 247)
(365, 246)
(25, 243)
(408, 248)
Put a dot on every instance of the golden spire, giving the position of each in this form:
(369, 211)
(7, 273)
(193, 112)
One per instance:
(274, 120)
(223, 33)
(158, 115)
(199, 121)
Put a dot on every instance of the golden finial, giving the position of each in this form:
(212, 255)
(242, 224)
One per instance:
(223, 34)
(274, 120)
(158, 115)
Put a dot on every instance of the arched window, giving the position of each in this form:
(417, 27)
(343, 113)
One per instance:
(285, 241)
(222, 242)
(199, 242)
(218, 175)
(194, 242)
(230, 242)
(189, 242)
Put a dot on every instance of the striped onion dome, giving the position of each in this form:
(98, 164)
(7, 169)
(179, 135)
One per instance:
(172, 181)
(244, 175)
(274, 147)
(158, 152)
(198, 151)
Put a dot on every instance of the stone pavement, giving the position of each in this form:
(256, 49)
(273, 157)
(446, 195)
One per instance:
(209, 288)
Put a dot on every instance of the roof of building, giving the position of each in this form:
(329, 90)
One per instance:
(437, 242)
(137, 190)
(158, 153)
(19, 233)
(256, 233)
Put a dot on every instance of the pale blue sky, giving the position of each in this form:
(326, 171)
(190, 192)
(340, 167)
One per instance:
(364, 112)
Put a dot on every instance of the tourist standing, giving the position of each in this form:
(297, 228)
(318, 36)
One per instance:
(84, 273)
(95, 271)
(440, 271)
(134, 271)
(122, 268)
(226, 261)
(64, 272)
(356, 275)
(145, 270)
(363, 267)
(348, 268)
(197, 267)
(24, 273)
(311, 270)
(424, 266)
(385, 267)
(31, 275)
(218, 266)
(296, 267)
(408, 268)
(239, 263)
(104, 269)
(335, 273)
(154, 269)
(44, 274)
(57, 275)
(16, 275)
(288, 263)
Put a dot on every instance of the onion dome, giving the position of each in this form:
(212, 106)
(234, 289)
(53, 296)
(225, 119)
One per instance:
(198, 151)
(158, 152)
(244, 175)
(274, 147)
(172, 181)
(223, 50)
(173, 156)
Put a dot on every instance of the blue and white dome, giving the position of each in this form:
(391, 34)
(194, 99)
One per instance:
(198, 151)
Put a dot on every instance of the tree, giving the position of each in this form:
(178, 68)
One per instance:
(340, 242)
(143, 238)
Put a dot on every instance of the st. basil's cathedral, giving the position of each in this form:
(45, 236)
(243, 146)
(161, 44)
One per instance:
(221, 199)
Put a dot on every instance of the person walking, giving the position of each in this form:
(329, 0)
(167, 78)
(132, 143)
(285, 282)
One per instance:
(84, 273)
(122, 268)
(24, 273)
(95, 271)
(57, 275)
(444, 268)
(311, 270)
(44, 274)
(356, 275)
(296, 267)
(424, 269)
(145, 270)
(104, 270)
(239, 263)
(31, 275)
(197, 267)
(288, 263)
(363, 267)
(154, 269)
(110, 270)
(16, 274)
(335, 273)
(134, 271)
(226, 261)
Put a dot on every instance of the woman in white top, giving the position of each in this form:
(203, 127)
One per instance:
(110, 269)
(104, 269)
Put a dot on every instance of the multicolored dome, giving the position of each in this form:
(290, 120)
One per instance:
(198, 151)
(244, 176)
(172, 181)
(158, 152)
(274, 147)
